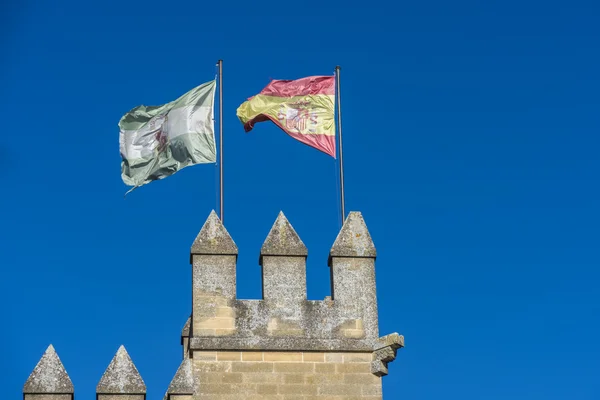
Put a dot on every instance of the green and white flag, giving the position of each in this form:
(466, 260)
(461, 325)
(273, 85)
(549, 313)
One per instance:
(157, 141)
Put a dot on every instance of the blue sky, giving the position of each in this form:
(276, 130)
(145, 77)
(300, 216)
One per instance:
(471, 148)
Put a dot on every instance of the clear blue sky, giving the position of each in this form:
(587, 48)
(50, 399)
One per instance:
(471, 145)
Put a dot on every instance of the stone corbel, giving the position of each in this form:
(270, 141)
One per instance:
(385, 352)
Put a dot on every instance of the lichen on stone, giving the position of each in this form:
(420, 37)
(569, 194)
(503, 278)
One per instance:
(183, 381)
(214, 238)
(354, 240)
(49, 376)
(283, 240)
(121, 376)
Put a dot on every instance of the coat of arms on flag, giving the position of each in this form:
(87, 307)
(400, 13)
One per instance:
(303, 108)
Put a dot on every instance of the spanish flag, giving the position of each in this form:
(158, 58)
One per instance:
(303, 108)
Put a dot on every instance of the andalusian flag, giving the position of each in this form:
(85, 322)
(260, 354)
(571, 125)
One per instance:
(303, 108)
(157, 141)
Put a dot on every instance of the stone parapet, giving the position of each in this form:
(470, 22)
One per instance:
(284, 319)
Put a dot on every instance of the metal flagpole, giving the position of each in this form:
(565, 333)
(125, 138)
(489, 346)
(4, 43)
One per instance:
(220, 65)
(339, 124)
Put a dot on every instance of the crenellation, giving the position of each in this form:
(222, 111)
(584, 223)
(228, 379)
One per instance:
(283, 261)
(182, 383)
(352, 263)
(213, 257)
(284, 319)
(49, 379)
(213, 238)
(280, 347)
(121, 380)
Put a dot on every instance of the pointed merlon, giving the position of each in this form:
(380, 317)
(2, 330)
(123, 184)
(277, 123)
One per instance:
(183, 381)
(49, 376)
(282, 240)
(121, 376)
(354, 240)
(185, 332)
(214, 238)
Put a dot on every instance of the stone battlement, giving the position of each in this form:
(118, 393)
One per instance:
(284, 319)
(278, 347)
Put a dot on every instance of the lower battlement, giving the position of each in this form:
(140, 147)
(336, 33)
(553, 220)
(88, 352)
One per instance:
(281, 347)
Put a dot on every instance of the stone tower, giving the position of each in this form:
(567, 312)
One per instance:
(282, 347)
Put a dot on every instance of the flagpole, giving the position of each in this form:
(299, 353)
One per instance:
(220, 65)
(339, 124)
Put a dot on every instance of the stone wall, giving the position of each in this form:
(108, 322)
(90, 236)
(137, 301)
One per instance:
(284, 375)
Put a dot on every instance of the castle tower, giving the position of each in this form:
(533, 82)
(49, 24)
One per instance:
(284, 346)
(281, 347)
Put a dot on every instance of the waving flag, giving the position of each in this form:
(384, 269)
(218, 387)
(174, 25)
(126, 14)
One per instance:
(303, 108)
(157, 141)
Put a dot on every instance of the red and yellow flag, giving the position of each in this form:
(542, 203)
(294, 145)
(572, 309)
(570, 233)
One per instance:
(303, 108)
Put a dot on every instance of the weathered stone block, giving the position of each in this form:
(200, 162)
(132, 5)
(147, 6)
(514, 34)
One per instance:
(212, 388)
(379, 368)
(313, 357)
(266, 388)
(362, 379)
(302, 389)
(205, 356)
(202, 367)
(180, 397)
(294, 378)
(325, 368)
(252, 367)
(358, 357)
(282, 356)
(353, 368)
(229, 356)
(267, 377)
(372, 390)
(252, 356)
(334, 357)
(121, 397)
(340, 390)
(294, 367)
